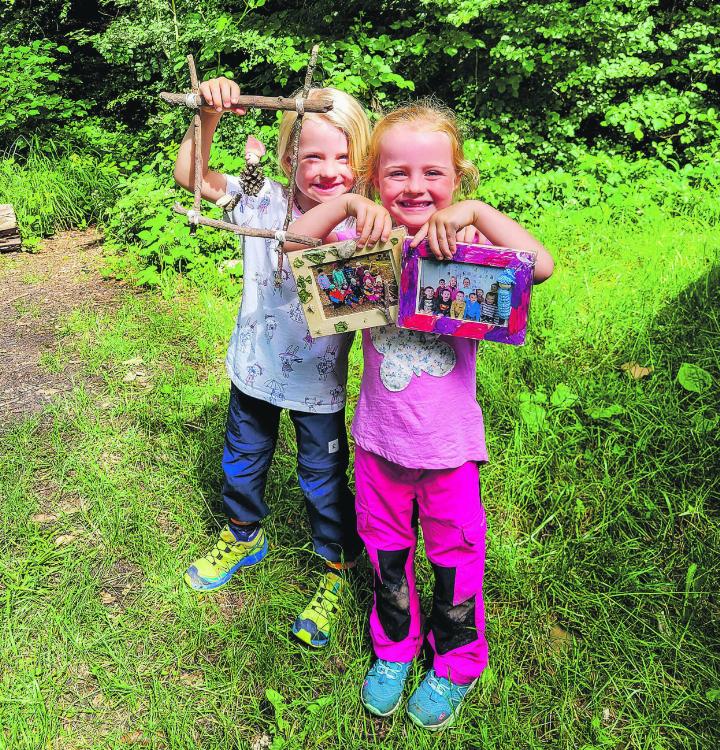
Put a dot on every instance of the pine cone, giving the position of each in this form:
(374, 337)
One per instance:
(251, 179)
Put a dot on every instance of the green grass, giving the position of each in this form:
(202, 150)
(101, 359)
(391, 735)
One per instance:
(53, 189)
(602, 569)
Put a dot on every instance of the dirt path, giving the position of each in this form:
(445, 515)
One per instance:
(36, 290)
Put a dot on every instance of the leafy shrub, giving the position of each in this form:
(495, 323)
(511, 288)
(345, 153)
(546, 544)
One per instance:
(151, 242)
(31, 78)
(602, 184)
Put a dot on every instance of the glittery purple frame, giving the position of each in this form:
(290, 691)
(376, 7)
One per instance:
(480, 255)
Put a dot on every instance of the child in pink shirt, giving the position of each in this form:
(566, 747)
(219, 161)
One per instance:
(408, 462)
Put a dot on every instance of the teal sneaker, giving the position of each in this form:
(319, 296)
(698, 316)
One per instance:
(383, 686)
(436, 701)
(228, 554)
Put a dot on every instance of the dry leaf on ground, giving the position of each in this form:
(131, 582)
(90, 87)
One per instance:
(636, 371)
(135, 738)
(560, 639)
(64, 539)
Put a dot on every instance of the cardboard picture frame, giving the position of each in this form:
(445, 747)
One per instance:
(342, 288)
(505, 274)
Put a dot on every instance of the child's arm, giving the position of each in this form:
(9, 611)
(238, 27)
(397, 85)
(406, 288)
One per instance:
(498, 228)
(372, 221)
(220, 94)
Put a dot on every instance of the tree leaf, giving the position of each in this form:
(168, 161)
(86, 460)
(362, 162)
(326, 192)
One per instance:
(693, 378)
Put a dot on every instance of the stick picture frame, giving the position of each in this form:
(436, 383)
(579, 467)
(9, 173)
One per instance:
(341, 292)
(483, 292)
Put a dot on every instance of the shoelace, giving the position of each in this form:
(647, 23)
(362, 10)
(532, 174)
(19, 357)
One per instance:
(325, 603)
(218, 552)
(443, 686)
(437, 686)
(388, 671)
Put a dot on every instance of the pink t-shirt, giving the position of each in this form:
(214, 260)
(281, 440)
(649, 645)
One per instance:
(417, 404)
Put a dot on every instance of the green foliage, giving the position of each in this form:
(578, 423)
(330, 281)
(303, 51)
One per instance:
(538, 77)
(602, 184)
(32, 77)
(153, 242)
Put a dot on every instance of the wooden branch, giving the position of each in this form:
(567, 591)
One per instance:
(197, 138)
(269, 234)
(295, 139)
(320, 104)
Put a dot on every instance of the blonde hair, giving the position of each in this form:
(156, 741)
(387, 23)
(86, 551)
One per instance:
(423, 114)
(347, 114)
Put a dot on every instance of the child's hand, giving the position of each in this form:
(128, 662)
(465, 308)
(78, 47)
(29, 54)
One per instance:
(471, 236)
(441, 231)
(221, 94)
(373, 222)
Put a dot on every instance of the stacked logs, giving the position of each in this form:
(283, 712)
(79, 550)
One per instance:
(9, 232)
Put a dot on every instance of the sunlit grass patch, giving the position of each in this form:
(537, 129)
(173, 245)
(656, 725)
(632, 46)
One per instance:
(602, 567)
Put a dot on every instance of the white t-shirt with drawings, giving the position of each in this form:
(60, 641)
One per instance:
(272, 355)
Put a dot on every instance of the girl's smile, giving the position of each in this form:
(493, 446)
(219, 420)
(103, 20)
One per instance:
(324, 170)
(416, 174)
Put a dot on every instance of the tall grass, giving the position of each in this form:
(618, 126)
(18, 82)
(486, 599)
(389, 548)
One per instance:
(52, 188)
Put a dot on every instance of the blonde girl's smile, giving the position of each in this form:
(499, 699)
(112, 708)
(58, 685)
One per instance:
(324, 170)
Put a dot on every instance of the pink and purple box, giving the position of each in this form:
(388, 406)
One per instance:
(513, 273)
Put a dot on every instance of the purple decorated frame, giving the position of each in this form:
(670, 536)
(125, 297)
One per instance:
(512, 331)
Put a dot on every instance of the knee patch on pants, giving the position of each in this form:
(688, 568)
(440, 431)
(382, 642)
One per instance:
(392, 594)
(453, 625)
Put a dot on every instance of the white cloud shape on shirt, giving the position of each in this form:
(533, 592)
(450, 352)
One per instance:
(407, 353)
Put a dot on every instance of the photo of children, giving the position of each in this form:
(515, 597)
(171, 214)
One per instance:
(465, 291)
(355, 285)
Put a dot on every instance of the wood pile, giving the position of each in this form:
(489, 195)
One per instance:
(9, 232)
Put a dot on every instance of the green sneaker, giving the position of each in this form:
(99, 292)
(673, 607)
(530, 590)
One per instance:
(312, 626)
(229, 554)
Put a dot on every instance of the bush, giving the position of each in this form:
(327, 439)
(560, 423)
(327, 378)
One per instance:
(152, 243)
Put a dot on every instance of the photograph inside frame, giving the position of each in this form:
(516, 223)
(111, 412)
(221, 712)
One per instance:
(355, 285)
(465, 291)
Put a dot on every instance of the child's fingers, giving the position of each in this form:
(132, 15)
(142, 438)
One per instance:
(467, 234)
(226, 92)
(378, 227)
(433, 241)
(451, 240)
(387, 227)
(443, 243)
(216, 94)
(373, 233)
(420, 235)
(206, 91)
(362, 225)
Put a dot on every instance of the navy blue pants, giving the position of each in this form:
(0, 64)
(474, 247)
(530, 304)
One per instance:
(250, 439)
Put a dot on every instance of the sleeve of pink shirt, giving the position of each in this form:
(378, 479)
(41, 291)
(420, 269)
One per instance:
(349, 233)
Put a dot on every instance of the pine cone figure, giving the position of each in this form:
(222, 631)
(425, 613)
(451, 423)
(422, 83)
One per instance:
(251, 179)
